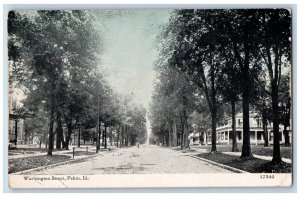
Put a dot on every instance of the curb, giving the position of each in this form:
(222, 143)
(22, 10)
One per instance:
(220, 165)
(53, 165)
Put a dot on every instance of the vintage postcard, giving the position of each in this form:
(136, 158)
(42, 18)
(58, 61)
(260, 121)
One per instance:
(145, 98)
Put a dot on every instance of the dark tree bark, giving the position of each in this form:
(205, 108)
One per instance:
(126, 135)
(59, 132)
(78, 138)
(118, 136)
(98, 138)
(265, 128)
(170, 133)
(246, 149)
(122, 136)
(51, 134)
(276, 143)
(105, 137)
(244, 65)
(182, 132)
(214, 131)
(69, 134)
(174, 134)
(186, 131)
(234, 143)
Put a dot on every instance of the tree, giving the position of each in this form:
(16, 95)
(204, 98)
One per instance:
(285, 106)
(275, 50)
(193, 46)
(230, 79)
(172, 103)
(50, 53)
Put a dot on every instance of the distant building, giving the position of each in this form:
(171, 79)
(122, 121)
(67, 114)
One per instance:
(15, 124)
(224, 132)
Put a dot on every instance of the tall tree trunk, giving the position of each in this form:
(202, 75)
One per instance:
(59, 132)
(246, 149)
(98, 135)
(170, 134)
(214, 130)
(186, 131)
(70, 130)
(126, 135)
(182, 132)
(265, 128)
(174, 134)
(234, 143)
(276, 142)
(213, 110)
(105, 137)
(51, 134)
(118, 136)
(78, 138)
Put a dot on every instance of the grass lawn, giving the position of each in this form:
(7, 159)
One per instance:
(256, 149)
(254, 165)
(20, 164)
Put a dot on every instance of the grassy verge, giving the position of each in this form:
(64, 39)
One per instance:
(253, 165)
(20, 164)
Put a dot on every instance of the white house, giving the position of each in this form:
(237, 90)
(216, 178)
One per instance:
(224, 132)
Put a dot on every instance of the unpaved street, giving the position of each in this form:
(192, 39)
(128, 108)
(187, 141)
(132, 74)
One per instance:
(143, 160)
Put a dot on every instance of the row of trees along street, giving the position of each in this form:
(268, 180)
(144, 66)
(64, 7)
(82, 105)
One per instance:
(215, 63)
(54, 60)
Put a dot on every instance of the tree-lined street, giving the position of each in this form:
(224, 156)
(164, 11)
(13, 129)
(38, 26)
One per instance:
(139, 87)
(144, 160)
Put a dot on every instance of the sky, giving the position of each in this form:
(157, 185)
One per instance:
(129, 50)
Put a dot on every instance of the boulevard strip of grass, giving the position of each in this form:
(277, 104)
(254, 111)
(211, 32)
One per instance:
(252, 165)
(26, 163)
